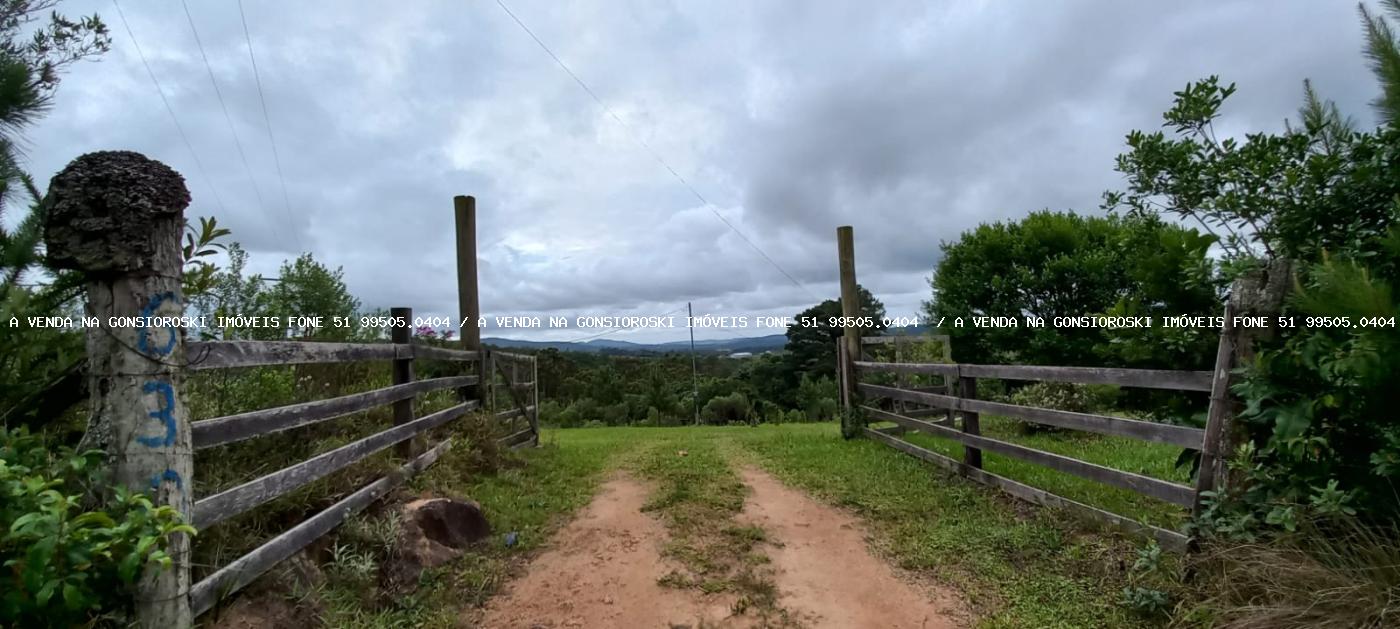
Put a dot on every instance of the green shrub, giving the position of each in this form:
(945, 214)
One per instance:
(70, 562)
(1061, 396)
(724, 409)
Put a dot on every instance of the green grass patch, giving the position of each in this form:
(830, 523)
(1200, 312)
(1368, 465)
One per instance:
(1130, 455)
(1017, 567)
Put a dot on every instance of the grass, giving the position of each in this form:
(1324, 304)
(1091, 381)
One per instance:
(697, 497)
(1131, 455)
(1017, 566)
(1015, 570)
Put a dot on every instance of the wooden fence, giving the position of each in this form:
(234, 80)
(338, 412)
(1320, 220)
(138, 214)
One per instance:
(118, 217)
(519, 422)
(957, 401)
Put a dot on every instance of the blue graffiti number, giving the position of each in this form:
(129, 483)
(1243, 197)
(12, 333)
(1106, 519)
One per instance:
(143, 336)
(164, 412)
(167, 475)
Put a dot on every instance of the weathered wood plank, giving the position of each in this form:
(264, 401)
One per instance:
(1183, 436)
(1168, 539)
(1146, 485)
(1212, 464)
(522, 436)
(513, 356)
(430, 352)
(242, 571)
(1142, 378)
(925, 368)
(511, 413)
(231, 502)
(514, 391)
(896, 338)
(228, 429)
(936, 400)
(971, 421)
(228, 354)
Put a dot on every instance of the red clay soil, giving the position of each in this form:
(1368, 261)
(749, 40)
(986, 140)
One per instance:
(825, 574)
(601, 571)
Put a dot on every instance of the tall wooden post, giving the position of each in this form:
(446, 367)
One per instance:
(1260, 292)
(402, 334)
(535, 397)
(850, 308)
(117, 216)
(1212, 464)
(972, 424)
(468, 304)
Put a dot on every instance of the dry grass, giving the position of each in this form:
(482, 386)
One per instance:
(1342, 574)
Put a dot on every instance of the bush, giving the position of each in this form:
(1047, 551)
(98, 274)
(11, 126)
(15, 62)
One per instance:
(70, 562)
(724, 409)
(1060, 396)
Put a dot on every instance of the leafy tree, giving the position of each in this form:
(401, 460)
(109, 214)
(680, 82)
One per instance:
(1052, 265)
(811, 342)
(1316, 188)
(817, 398)
(1383, 50)
(1320, 437)
(308, 288)
(33, 53)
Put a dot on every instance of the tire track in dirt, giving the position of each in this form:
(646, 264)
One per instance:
(602, 571)
(825, 573)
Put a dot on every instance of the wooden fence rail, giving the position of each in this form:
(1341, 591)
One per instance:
(212, 510)
(118, 218)
(957, 398)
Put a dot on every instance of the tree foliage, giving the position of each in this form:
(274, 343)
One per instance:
(1055, 264)
(811, 349)
(1320, 437)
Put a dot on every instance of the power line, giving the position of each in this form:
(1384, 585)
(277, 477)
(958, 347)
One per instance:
(276, 158)
(657, 156)
(233, 130)
(170, 110)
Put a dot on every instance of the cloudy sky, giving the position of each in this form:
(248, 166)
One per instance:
(911, 121)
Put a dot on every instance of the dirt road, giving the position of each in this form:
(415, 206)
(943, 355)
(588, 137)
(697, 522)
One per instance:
(602, 571)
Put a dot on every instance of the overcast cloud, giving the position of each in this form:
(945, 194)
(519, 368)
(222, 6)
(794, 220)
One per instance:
(911, 121)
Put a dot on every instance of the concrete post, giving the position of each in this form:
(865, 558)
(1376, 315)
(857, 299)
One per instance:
(117, 217)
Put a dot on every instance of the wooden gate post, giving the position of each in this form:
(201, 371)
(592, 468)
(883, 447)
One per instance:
(971, 421)
(402, 334)
(468, 303)
(1213, 459)
(850, 308)
(117, 217)
(535, 397)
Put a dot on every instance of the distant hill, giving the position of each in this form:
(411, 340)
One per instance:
(755, 345)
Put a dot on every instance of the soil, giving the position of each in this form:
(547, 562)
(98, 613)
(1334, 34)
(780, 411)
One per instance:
(825, 573)
(602, 571)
